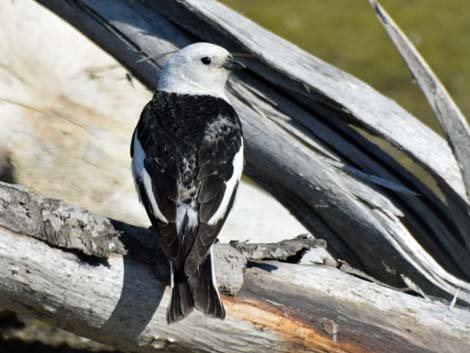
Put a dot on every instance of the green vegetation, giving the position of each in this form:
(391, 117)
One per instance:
(347, 34)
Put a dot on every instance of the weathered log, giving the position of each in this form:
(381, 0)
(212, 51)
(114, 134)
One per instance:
(312, 80)
(291, 250)
(299, 146)
(121, 299)
(451, 119)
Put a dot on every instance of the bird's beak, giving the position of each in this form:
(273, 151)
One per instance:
(233, 65)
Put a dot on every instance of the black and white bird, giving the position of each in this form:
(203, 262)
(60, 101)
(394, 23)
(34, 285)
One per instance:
(187, 160)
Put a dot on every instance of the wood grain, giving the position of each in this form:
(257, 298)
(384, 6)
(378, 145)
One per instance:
(452, 121)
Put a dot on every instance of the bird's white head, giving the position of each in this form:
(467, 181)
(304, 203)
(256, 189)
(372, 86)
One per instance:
(198, 69)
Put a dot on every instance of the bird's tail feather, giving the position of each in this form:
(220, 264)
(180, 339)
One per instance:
(204, 289)
(198, 291)
(182, 302)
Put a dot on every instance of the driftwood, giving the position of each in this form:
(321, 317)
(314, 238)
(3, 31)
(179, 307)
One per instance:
(451, 119)
(290, 250)
(295, 111)
(91, 288)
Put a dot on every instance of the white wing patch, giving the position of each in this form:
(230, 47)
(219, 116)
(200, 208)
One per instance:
(140, 175)
(229, 187)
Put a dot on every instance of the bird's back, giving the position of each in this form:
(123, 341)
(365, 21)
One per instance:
(187, 160)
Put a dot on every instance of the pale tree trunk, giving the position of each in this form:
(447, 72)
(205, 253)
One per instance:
(66, 266)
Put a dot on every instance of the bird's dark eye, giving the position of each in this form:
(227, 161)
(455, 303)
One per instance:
(206, 60)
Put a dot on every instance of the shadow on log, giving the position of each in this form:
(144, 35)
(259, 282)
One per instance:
(112, 288)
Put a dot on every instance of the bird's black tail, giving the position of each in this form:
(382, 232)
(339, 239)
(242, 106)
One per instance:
(204, 288)
(197, 291)
(182, 302)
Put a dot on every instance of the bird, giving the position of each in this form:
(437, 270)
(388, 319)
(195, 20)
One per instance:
(187, 155)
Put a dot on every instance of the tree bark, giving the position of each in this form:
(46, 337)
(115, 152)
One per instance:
(295, 111)
(111, 287)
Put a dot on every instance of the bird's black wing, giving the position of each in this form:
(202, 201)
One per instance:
(205, 131)
(220, 157)
(159, 188)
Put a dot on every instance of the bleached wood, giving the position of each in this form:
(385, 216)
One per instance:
(299, 146)
(121, 300)
(290, 250)
(315, 82)
(450, 117)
